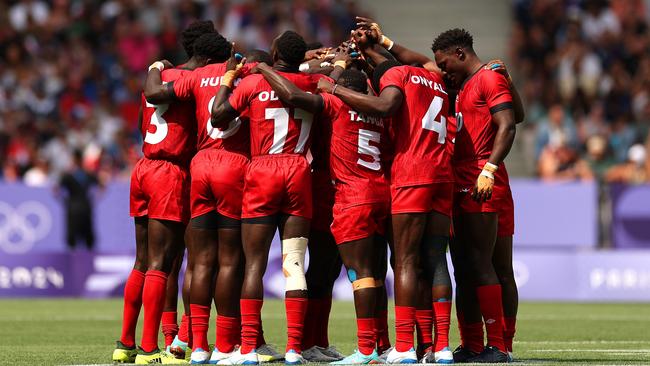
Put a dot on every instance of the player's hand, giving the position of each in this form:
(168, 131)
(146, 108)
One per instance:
(500, 67)
(161, 65)
(324, 86)
(320, 54)
(375, 33)
(258, 68)
(362, 38)
(484, 183)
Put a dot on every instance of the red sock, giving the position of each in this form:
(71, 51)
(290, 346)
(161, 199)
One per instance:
(200, 323)
(489, 299)
(381, 324)
(474, 337)
(323, 318)
(132, 305)
(251, 324)
(310, 329)
(404, 323)
(509, 332)
(228, 333)
(366, 335)
(153, 300)
(424, 327)
(184, 329)
(296, 309)
(169, 326)
(441, 319)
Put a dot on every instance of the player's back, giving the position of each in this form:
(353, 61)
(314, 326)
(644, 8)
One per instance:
(276, 128)
(202, 85)
(419, 125)
(169, 130)
(482, 94)
(357, 148)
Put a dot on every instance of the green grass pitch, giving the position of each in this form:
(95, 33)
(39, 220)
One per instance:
(76, 332)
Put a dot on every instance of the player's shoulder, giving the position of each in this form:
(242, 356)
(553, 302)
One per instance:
(489, 76)
(173, 74)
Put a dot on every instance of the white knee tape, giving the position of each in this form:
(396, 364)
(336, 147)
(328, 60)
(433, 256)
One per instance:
(293, 263)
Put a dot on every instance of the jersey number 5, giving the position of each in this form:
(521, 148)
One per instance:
(365, 148)
(429, 121)
(159, 122)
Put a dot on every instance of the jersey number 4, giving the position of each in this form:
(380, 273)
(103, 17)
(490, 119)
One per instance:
(280, 117)
(430, 122)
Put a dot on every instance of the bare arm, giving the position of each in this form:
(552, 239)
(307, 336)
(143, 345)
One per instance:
(222, 111)
(384, 105)
(289, 93)
(140, 119)
(410, 57)
(505, 136)
(155, 91)
(517, 104)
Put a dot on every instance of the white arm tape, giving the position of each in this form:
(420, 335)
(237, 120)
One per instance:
(303, 67)
(487, 173)
(293, 263)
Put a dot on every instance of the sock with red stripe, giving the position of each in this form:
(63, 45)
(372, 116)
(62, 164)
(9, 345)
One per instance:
(366, 335)
(424, 327)
(322, 319)
(200, 324)
(441, 319)
(509, 332)
(251, 324)
(169, 326)
(184, 329)
(153, 301)
(228, 333)
(132, 305)
(404, 323)
(310, 330)
(381, 324)
(491, 305)
(296, 308)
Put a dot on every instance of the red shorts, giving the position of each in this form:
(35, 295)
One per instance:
(501, 201)
(423, 198)
(359, 221)
(323, 200)
(160, 189)
(279, 183)
(217, 182)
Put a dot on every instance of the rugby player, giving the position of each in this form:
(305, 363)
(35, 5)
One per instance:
(277, 191)
(161, 212)
(362, 203)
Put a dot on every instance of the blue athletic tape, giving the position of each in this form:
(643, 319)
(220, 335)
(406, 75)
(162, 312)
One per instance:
(352, 275)
(354, 54)
(238, 56)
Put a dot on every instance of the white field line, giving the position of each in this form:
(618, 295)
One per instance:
(600, 350)
(580, 342)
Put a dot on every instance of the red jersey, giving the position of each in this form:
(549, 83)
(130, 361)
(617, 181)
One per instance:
(484, 93)
(275, 127)
(202, 85)
(358, 145)
(420, 127)
(168, 130)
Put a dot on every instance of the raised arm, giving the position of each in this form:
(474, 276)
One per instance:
(288, 92)
(383, 106)
(154, 90)
(222, 111)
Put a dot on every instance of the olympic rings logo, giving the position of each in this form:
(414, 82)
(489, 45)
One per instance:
(23, 226)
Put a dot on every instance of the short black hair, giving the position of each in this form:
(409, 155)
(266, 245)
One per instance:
(314, 46)
(453, 38)
(193, 32)
(291, 47)
(380, 70)
(259, 56)
(213, 46)
(354, 79)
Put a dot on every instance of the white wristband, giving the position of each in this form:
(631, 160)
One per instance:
(325, 64)
(157, 65)
(487, 173)
(492, 166)
(303, 66)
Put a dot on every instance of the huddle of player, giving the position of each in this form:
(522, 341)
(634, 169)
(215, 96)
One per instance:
(345, 151)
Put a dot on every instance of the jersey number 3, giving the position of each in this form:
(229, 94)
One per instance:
(429, 121)
(159, 122)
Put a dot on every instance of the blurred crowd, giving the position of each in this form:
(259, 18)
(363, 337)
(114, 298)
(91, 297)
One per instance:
(71, 71)
(584, 71)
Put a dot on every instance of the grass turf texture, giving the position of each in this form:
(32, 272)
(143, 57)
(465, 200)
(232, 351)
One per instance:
(75, 332)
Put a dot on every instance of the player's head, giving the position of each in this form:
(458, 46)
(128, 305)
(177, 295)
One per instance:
(354, 79)
(289, 47)
(193, 32)
(452, 50)
(259, 56)
(380, 70)
(212, 48)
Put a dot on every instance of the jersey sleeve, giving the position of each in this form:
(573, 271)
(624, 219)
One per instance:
(330, 105)
(240, 98)
(496, 92)
(392, 77)
(183, 86)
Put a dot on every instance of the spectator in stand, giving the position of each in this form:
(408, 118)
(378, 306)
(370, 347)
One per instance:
(633, 171)
(559, 162)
